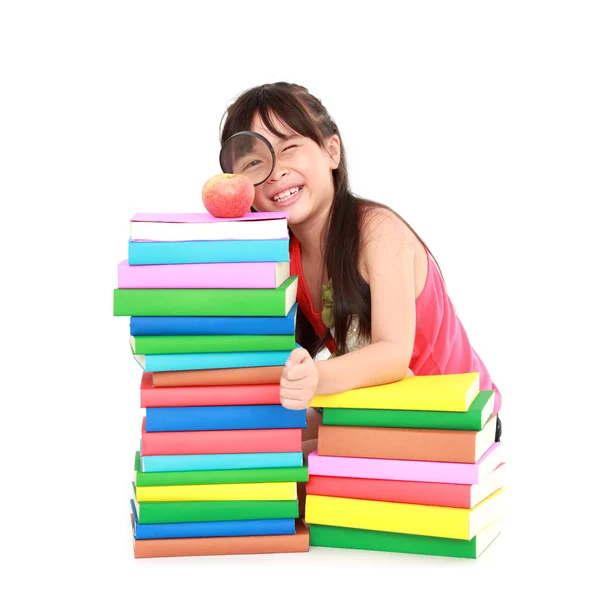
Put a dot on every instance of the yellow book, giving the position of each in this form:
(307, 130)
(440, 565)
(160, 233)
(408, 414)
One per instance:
(220, 491)
(451, 393)
(416, 519)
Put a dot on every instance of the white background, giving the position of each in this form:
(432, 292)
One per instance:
(477, 121)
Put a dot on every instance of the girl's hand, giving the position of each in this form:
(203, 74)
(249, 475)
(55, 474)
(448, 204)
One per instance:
(299, 380)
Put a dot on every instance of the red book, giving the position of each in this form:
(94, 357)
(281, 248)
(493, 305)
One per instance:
(240, 441)
(455, 495)
(206, 395)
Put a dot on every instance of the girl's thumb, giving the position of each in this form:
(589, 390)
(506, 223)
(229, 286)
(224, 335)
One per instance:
(296, 357)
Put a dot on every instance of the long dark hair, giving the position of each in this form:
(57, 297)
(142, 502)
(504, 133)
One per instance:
(306, 115)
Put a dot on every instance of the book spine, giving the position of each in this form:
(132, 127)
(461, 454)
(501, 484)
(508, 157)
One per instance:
(402, 444)
(221, 442)
(207, 275)
(219, 360)
(211, 325)
(217, 418)
(221, 251)
(210, 395)
(221, 462)
(198, 344)
(239, 376)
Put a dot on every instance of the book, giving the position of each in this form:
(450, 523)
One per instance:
(207, 395)
(473, 419)
(385, 541)
(452, 392)
(174, 227)
(275, 302)
(216, 510)
(280, 490)
(220, 442)
(149, 531)
(192, 344)
(210, 546)
(220, 251)
(217, 418)
(210, 360)
(415, 519)
(441, 445)
(406, 470)
(204, 275)
(457, 495)
(285, 325)
(255, 475)
(237, 376)
(220, 464)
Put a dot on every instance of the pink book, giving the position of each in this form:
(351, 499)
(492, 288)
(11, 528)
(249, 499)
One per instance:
(406, 470)
(180, 227)
(205, 275)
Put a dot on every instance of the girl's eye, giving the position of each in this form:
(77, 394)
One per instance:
(251, 164)
(290, 147)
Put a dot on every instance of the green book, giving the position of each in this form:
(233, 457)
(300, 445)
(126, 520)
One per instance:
(206, 302)
(190, 344)
(272, 474)
(363, 539)
(473, 419)
(210, 510)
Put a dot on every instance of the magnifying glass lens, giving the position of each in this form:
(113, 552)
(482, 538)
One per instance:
(248, 154)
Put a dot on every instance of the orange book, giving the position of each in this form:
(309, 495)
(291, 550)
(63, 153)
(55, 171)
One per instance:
(210, 546)
(440, 445)
(239, 376)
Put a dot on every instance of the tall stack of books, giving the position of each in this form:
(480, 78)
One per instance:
(212, 307)
(408, 467)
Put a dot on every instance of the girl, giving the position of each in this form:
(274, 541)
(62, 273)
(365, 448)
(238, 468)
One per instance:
(369, 289)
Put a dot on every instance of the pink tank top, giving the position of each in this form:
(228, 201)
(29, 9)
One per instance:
(441, 342)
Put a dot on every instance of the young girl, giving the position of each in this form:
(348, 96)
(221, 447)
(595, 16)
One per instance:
(369, 289)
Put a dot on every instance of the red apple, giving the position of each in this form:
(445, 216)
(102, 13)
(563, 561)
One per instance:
(227, 195)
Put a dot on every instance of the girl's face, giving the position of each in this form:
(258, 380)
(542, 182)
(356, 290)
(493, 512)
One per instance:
(301, 183)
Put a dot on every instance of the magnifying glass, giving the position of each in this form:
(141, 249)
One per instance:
(248, 153)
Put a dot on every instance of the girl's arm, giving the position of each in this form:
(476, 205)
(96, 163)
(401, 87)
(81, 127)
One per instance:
(388, 257)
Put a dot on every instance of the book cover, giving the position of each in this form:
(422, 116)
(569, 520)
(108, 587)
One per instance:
(473, 419)
(238, 376)
(457, 495)
(173, 227)
(149, 531)
(193, 344)
(220, 251)
(452, 392)
(217, 418)
(275, 302)
(220, 464)
(415, 519)
(441, 445)
(249, 475)
(207, 395)
(406, 470)
(204, 546)
(285, 325)
(210, 360)
(220, 442)
(217, 510)
(385, 541)
(204, 275)
(281, 490)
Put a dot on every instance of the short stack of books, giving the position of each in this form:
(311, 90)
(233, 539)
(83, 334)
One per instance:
(410, 467)
(212, 311)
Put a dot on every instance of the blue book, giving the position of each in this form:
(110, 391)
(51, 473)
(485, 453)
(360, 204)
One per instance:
(152, 531)
(211, 360)
(219, 418)
(219, 462)
(214, 325)
(219, 251)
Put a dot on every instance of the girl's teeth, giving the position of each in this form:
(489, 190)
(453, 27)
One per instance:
(286, 195)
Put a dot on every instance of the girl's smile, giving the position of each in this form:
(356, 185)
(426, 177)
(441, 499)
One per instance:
(288, 196)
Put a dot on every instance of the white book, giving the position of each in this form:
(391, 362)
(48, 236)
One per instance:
(182, 227)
